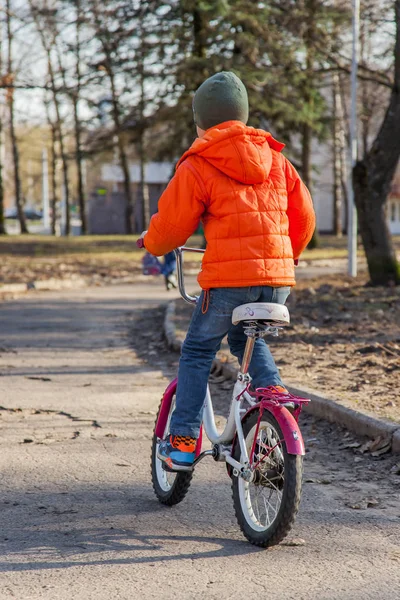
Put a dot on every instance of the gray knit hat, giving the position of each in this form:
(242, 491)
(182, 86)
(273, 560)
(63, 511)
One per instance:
(220, 98)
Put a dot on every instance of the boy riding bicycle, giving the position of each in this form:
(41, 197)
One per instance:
(258, 218)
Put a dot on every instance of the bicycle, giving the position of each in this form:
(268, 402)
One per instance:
(262, 445)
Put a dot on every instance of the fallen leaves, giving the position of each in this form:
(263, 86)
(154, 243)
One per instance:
(376, 347)
(352, 445)
(294, 542)
(363, 504)
(380, 445)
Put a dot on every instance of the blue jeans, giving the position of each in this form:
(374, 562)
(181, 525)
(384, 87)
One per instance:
(203, 341)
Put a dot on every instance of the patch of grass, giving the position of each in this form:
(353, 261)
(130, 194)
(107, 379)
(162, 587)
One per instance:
(327, 253)
(40, 245)
(43, 245)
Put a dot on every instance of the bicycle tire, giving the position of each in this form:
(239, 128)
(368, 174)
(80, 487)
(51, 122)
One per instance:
(180, 486)
(291, 489)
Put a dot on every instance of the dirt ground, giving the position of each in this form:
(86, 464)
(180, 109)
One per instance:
(343, 341)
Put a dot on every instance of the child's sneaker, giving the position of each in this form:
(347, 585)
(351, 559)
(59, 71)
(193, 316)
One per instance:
(277, 389)
(178, 452)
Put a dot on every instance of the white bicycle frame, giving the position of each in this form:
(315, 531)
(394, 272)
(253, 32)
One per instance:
(233, 425)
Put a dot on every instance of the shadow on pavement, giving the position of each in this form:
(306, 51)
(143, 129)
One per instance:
(47, 530)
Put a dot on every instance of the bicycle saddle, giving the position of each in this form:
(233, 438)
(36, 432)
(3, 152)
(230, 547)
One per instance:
(268, 313)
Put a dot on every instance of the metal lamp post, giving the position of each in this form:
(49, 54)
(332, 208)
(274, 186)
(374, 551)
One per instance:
(45, 192)
(351, 209)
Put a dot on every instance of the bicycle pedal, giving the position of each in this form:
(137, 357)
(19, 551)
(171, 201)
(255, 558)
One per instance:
(177, 469)
(167, 468)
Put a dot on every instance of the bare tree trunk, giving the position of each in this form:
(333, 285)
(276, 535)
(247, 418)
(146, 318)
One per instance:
(143, 192)
(14, 142)
(306, 155)
(337, 184)
(372, 177)
(78, 160)
(53, 202)
(75, 95)
(77, 123)
(143, 199)
(40, 25)
(345, 141)
(63, 155)
(364, 118)
(306, 172)
(2, 219)
(123, 158)
(306, 129)
(53, 169)
(337, 157)
(370, 197)
(199, 36)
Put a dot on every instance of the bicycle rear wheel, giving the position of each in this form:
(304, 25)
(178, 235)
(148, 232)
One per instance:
(170, 487)
(266, 507)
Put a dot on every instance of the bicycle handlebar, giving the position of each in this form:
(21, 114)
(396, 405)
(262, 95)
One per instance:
(179, 271)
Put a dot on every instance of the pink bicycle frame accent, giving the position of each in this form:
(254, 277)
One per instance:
(162, 419)
(288, 424)
(290, 429)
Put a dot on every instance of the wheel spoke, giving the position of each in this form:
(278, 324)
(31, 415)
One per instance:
(268, 521)
(263, 496)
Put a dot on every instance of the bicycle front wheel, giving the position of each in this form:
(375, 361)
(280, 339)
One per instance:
(170, 487)
(266, 507)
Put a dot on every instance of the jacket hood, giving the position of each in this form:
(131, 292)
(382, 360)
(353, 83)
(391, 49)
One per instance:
(240, 152)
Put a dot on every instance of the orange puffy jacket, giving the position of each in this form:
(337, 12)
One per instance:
(256, 211)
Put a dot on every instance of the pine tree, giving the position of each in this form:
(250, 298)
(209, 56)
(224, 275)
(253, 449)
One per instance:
(270, 46)
(190, 53)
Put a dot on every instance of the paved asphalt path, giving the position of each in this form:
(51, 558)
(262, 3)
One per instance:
(78, 516)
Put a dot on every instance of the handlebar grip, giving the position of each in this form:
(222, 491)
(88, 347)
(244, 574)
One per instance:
(140, 243)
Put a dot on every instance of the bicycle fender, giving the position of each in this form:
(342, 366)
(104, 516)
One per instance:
(290, 430)
(163, 414)
(289, 427)
(166, 402)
